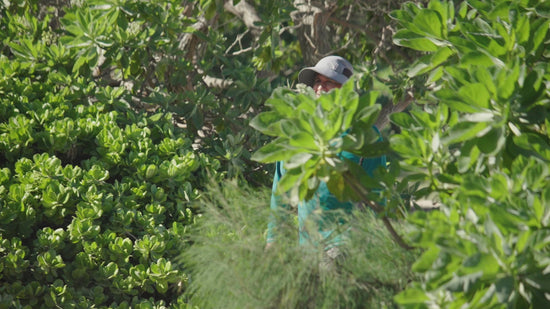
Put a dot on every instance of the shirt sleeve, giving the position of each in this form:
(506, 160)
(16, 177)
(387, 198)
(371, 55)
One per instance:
(276, 202)
(371, 164)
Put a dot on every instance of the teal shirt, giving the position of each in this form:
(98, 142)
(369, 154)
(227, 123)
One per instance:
(324, 211)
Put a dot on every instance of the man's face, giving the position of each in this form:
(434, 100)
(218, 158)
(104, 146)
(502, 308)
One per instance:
(324, 84)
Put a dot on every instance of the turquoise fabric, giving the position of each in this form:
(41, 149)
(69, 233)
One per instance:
(320, 217)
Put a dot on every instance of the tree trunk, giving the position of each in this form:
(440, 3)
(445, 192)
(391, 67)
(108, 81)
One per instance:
(313, 34)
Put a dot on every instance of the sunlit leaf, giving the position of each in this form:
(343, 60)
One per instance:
(273, 152)
(264, 122)
(403, 120)
(475, 94)
(430, 22)
(476, 58)
(298, 160)
(415, 41)
(463, 131)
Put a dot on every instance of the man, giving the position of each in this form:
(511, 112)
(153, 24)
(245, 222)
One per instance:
(329, 73)
(321, 219)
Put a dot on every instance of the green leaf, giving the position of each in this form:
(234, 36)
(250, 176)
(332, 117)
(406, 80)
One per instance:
(297, 160)
(524, 238)
(441, 55)
(539, 281)
(435, 75)
(504, 288)
(536, 144)
(493, 141)
(265, 121)
(506, 81)
(463, 131)
(292, 127)
(285, 102)
(303, 104)
(304, 141)
(539, 35)
(156, 117)
(522, 28)
(457, 102)
(290, 180)
(373, 150)
(429, 62)
(415, 41)
(337, 185)
(418, 69)
(426, 260)
(460, 75)
(273, 152)
(483, 76)
(446, 10)
(500, 189)
(368, 99)
(531, 90)
(403, 120)
(430, 22)
(463, 283)
(346, 97)
(407, 146)
(80, 61)
(477, 58)
(481, 262)
(412, 296)
(210, 9)
(475, 94)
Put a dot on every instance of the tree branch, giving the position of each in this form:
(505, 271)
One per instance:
(247, 13)
(388, 109)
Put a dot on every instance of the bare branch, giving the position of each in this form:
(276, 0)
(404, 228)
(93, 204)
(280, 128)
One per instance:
(312, 34)
(344, 23)
(215, 82)
(388, 109)
(247, 13)
(239, 41)
(242, 51)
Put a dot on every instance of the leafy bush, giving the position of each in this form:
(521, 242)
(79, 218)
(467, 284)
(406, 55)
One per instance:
(95, 192)
(479, 146)
(108, 133)
(109, 226)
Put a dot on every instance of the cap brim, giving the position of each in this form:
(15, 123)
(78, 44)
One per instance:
(307, 76)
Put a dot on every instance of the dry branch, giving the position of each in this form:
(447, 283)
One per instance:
(247, 13)
(388, 109)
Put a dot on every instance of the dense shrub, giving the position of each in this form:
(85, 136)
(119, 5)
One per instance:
(95, 190)
(93, 207)
(477, 146)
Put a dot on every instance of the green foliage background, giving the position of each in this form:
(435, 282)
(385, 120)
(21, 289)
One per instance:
(486, 161)
(96, 188)
(116, 115)
(110, 127)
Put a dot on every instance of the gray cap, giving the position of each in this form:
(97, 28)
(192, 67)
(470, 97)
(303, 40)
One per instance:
(333, 67)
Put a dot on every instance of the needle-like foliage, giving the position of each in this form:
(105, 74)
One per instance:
(230, 266)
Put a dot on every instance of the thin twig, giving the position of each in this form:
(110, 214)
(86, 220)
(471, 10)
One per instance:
(238, 39)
